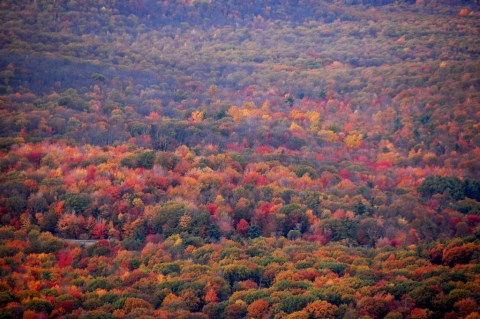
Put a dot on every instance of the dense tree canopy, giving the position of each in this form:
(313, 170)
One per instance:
(262, 159)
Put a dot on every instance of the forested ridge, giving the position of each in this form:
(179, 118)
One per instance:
(254, 159)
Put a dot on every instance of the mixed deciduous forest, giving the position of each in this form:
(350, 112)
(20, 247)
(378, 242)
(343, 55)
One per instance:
(294, 159)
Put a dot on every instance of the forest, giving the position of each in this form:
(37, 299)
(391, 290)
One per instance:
(204, 159)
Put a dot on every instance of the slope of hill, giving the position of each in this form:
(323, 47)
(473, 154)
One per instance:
(274, 159)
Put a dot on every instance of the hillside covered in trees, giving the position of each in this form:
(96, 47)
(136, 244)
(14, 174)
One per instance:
(294, 159)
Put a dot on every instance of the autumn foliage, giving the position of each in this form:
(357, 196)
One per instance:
(263, 159)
